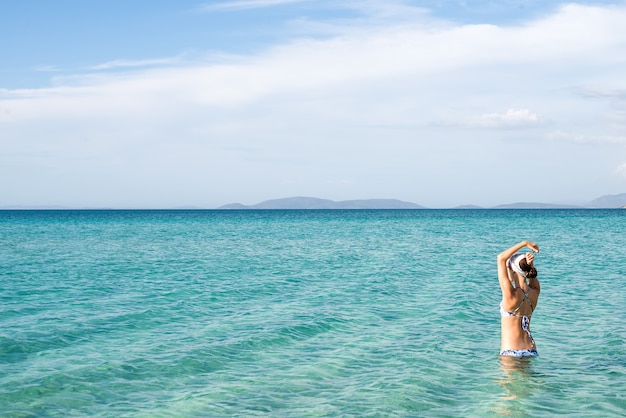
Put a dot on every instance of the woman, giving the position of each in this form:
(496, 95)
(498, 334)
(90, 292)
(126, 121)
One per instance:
(520, 292)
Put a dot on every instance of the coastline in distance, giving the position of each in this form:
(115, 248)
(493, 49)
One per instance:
(616, 201)
(302, 202)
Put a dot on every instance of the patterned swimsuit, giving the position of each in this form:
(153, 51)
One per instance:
(525, 326)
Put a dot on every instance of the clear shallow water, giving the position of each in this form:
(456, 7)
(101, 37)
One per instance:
(305, 313)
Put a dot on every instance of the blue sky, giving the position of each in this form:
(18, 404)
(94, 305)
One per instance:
(159, 104)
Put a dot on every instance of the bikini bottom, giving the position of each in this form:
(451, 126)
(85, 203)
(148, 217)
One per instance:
(519, 353)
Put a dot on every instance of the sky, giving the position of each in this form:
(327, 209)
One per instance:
(170, 104)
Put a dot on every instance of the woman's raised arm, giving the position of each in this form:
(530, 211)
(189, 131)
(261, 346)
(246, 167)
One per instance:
(506, 254)
(503, 275)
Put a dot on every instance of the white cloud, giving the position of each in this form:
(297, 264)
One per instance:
(621, 170)
(134, 63)
(419, 55)
(511, 118)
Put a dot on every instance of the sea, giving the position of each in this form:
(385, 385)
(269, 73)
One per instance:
(306, 313)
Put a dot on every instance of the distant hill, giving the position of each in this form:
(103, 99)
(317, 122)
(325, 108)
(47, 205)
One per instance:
(535, 205)
(609, 201)
(468, 207)
(315, 203)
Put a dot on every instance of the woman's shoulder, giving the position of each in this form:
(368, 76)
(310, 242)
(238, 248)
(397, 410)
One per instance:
(511, 296)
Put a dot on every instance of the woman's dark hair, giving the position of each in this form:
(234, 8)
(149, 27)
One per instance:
(529, 269)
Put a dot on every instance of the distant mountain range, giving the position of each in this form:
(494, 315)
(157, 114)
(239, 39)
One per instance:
(608, 202)
(603, 202)
(315, 203)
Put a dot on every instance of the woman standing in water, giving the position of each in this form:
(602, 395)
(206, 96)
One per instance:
(520, 292)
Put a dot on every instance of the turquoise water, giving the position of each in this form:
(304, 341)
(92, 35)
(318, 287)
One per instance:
(305, 314)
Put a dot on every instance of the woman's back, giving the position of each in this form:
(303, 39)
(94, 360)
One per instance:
(515, 319)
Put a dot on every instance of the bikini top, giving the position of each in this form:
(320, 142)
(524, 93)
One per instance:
(514, 312)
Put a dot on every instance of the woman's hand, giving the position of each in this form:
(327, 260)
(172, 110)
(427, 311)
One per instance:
(532, 246)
